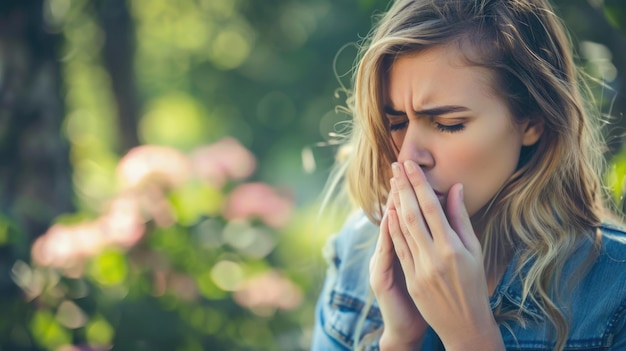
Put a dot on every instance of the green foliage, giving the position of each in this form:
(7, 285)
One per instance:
(179, 259)
(615, 11)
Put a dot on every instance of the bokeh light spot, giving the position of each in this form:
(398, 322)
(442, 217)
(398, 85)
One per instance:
(70, 315)
(47, 330)
(99, 331)
(208, 287)
(227, 275)
(230, 49)
(177, 120)
(110, 268)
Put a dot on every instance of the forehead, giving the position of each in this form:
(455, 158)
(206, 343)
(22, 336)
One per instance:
(441, 74)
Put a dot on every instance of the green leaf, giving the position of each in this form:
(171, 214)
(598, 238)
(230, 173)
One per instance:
(194, 200)
(48, 332)
(99, 332)
(110, 268)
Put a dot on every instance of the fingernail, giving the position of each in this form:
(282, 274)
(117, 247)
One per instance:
(409, 166)
(393, 184)
(395, 168)
(461, 195)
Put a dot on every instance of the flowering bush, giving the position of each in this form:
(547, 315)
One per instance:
(184, 257)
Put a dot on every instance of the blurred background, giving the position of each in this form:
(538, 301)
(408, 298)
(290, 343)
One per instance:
(161, 164)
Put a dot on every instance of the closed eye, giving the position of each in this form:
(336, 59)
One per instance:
(398, 126)
(446, 128)
(455, 128)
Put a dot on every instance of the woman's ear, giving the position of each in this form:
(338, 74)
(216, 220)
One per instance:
(532, 131)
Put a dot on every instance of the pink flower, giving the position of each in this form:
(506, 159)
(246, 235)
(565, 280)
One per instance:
(89, 240)
(161, 163)
(224, 160)
(58, 247)
(67, 247)
(123, 223)
(269, 290)
(156, 206)
(83, 348)
(252, 200)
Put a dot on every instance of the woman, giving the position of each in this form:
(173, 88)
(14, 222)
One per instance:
(475, 165)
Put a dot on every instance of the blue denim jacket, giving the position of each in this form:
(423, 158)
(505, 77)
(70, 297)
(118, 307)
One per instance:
(597, 308)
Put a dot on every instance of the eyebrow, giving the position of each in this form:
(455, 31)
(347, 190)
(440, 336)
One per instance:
(431, 112)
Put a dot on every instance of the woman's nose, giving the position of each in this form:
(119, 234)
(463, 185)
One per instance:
(415, 147)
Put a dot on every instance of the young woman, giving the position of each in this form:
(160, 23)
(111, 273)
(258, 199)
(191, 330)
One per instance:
(475, 165)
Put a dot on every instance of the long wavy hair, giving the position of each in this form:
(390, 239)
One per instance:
(554, 198)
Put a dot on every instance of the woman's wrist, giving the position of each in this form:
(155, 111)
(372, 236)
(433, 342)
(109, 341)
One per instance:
(487, 339)
(391, 343)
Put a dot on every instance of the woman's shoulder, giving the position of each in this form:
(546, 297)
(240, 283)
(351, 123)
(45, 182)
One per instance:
(613, 236)
(609, 265)
(357, 233)
(613, 248)
(598, 302)
(358, 224)
(592, 293)
(347, 294)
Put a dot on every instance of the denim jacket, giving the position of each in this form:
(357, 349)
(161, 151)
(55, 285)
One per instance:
(596, 308)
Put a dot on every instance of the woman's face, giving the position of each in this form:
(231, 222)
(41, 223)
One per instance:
(444, 115)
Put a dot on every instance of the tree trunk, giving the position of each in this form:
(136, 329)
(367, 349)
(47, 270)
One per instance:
(35, 171)
(118, 54)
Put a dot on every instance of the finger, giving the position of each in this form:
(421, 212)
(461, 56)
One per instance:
(374, 257)
(429, 203)
(400, 245)
(395, 196)
(409, 209)
(460, 220)
(384, 247)
(411, 242)
(383, 258)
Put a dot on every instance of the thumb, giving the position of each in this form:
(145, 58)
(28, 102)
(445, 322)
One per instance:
(459, 218)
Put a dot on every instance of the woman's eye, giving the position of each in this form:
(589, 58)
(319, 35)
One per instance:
(450, 128)
(398, 126)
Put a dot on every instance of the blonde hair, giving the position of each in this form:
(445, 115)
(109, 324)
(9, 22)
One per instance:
(554, 198)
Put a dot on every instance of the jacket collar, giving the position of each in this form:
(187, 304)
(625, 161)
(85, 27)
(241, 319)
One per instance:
(508, 293)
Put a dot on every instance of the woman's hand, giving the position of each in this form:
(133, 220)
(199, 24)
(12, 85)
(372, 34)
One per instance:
(442, 261)
(404, 325)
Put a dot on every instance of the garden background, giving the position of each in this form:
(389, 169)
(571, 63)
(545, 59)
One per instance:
(161, 164)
